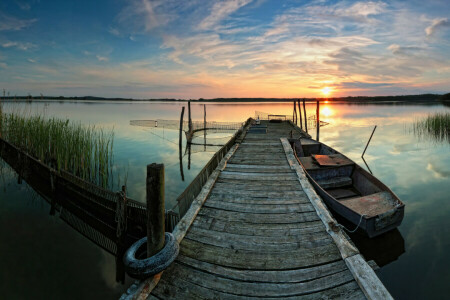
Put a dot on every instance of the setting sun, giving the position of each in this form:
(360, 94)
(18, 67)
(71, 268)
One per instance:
(326, 90)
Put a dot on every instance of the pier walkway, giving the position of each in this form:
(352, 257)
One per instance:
(258, 230)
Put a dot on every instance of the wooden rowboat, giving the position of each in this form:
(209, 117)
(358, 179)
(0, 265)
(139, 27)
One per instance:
(349, 190)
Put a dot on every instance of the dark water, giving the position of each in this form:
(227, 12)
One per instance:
(44, 258)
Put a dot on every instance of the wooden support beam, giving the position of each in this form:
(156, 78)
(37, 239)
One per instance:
(155, 208)
(304, 112)
(189, 114)
(318, 120)
(300, 113)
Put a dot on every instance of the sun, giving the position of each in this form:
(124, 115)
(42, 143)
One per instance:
(326, 91)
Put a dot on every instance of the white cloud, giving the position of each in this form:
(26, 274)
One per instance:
(19, 45)
(9, 23)
(23, 5)
(102, 58)
(31, 60)
(403, 50)
(220, 11)
(436, 24)
(144, 15)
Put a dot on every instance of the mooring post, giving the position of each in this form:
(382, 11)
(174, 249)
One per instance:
(180, 144)
(155, 208)
(304, 113)
(318, 120)
(190, 120)
(295, 113)
(181, 128)
(204, 124)
(300, 113)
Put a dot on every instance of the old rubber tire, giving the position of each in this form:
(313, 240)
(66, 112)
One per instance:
(144, 268)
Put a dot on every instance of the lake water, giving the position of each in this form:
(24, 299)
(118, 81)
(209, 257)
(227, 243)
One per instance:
(44, 258)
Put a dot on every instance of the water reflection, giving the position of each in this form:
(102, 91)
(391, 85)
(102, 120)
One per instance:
(416, 170)
(383, 249)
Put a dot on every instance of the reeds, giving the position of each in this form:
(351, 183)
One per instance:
(85, 151)
(435, 126)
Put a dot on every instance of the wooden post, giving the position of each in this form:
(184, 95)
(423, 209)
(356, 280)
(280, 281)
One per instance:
(155, 208)
(300, 113)
(180, 144)
(304, 113)
(204, 124)
(318, 120)
(181, 128)
(295, 113)
(190, 120)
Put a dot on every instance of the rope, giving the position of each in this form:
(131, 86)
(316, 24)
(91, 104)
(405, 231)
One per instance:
(354, 230)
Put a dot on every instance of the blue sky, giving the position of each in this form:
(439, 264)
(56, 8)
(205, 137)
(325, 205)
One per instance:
(235, 48)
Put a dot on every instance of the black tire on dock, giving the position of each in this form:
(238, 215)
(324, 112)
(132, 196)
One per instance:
(143, 268)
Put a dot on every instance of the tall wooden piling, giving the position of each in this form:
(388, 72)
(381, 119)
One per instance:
(204, 124)
(304, 112)
(300, 113)
(180, 145)
(189, 115)
(295, 114)
(318, 120)
(155, 208)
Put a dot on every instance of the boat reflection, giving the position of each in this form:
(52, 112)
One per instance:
(383, 249)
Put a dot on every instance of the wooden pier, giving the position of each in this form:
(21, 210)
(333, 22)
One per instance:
(258, 230)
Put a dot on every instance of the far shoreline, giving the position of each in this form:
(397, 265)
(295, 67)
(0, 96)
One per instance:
(402, 99)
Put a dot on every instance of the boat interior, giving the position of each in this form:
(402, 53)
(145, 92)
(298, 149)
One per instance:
(344, 180)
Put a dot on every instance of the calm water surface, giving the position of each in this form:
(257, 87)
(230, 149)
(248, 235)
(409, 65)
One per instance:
(44, 258)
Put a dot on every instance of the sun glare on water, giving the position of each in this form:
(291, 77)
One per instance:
(326, 91)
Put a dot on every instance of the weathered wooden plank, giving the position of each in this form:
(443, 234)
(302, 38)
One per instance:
(179, 288)
(242, 166)
(259, 243)
(266, 183)
(259, 218)
(222, 190)
(253, 161)
(256, 259)
(258, 170)
(225, 186)
(260, 209)
(255, 200)
(366, 278)
(260, 178)
(257, 289)
(246, 174)
(274, 276)
(257, 229)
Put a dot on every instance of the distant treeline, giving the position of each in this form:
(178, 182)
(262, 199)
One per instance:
(358, 99)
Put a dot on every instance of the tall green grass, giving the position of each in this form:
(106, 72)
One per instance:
(85, 151)
(435, 126)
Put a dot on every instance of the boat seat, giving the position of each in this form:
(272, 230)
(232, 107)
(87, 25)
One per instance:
(370, 205)
(335, 182)
(317, 162)
(341, 193)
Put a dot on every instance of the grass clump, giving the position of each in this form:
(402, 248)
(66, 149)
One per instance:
(436, 126)
(85, 151)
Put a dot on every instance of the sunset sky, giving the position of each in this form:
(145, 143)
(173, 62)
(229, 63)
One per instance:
(235, 48)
